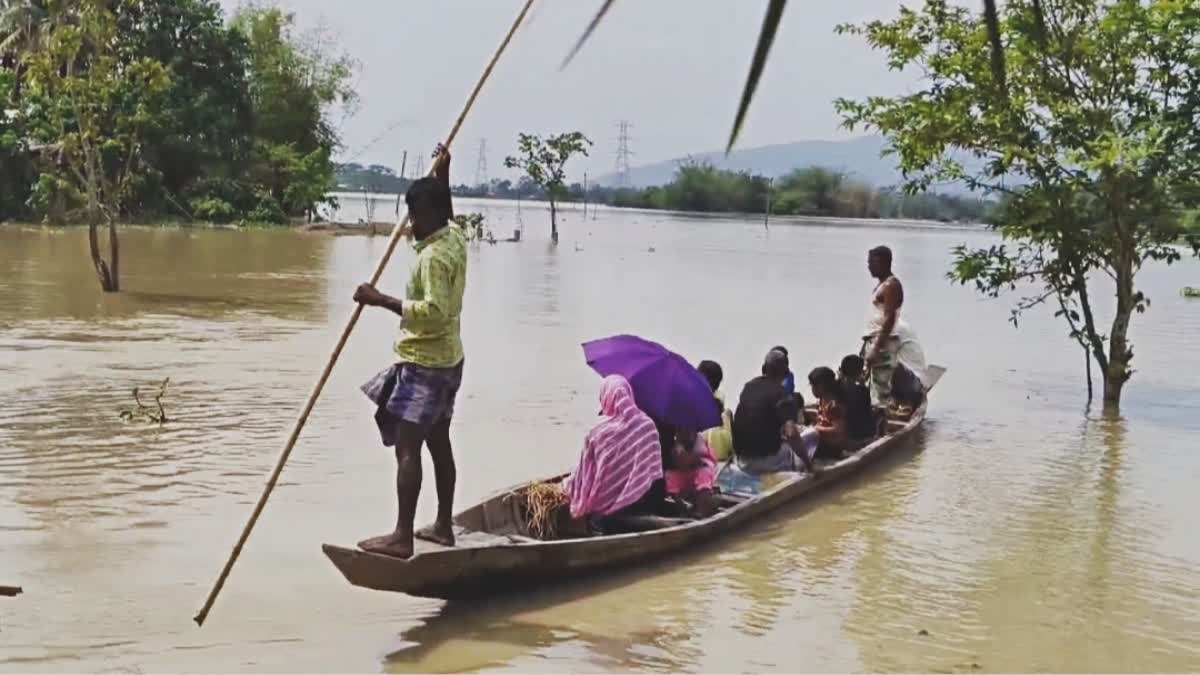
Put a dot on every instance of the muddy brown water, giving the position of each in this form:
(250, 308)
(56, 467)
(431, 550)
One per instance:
(1021, 532)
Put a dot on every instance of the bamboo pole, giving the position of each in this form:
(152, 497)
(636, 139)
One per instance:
(399, 196)
(400, 228)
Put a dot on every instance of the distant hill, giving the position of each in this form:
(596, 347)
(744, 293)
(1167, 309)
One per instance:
(860, 157)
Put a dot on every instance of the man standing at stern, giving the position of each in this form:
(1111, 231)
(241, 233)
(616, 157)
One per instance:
(890, 347)
(415, 396)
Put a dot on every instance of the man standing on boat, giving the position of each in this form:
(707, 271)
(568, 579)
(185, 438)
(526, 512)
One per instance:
(415, 397)
(890, 346)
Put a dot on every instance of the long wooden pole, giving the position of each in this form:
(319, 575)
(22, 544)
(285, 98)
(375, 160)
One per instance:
(399, 195)
(400, 228)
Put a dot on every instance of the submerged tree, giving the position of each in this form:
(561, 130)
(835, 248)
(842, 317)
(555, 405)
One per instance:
(88, 111)
(1090, 137)
(543, 161)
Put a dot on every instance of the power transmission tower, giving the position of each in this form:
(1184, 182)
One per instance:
(623, 154)
(481, 167)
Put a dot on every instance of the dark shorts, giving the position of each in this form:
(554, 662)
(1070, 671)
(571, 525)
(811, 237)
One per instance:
(412, 393)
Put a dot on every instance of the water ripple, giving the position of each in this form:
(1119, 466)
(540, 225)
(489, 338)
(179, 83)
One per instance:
(1019, 533)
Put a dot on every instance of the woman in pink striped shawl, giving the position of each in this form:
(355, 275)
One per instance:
(621, 456)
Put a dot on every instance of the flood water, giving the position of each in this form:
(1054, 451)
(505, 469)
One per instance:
(1021, 532)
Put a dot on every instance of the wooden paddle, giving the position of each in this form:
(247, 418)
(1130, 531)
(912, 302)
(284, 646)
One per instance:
(400, 228)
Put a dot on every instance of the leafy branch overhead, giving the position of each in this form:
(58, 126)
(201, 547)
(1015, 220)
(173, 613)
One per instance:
(1089, 138)
(766, 37)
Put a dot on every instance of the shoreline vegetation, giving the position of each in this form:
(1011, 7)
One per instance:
(119, 110)
(384, 227)
(701, 188)
(230, 123)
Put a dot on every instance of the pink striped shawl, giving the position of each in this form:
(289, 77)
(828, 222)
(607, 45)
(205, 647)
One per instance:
(621, 456)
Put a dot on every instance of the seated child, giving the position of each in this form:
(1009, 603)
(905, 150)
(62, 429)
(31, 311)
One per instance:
(719, 439)
(860, 417)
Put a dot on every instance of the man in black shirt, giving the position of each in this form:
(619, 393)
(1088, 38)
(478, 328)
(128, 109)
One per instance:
(765, 435)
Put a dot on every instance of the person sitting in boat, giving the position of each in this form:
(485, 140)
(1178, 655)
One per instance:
(789, 382)
(689, 469)
(766, 437)
(860, 414)
(621, 459)
(828, 431)
(719, 439)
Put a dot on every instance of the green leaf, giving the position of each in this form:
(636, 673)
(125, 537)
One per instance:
(587, 33)
(766, 37)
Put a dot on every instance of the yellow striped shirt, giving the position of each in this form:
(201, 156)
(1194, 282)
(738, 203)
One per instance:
(430, 326)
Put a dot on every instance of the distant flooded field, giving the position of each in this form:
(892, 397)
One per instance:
(1022, 533)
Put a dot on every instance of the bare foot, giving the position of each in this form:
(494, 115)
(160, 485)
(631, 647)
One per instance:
(368, 544)
(392, 544)
(438, 533)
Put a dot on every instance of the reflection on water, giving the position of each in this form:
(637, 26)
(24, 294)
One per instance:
(1017, 533)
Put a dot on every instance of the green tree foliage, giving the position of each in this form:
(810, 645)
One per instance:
(293, 85)
(813, 191)
(1095, 120)
(373, 178)
(88, 110)
(16, 167)
(544, 162)
(700, 187)
(22, 24)
(199, 147)
(1191, 223)
(243, 132)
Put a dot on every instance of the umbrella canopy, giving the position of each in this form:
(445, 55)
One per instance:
(665, 386)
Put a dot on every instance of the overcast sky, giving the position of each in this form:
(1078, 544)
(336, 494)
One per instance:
(673, 68)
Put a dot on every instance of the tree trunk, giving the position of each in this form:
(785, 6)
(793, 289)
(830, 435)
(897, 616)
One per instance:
(114, 251)
(104, 273)
(1113, 385)
(1092, 343)
(553, 222)
(1120, 354)
(58, 208)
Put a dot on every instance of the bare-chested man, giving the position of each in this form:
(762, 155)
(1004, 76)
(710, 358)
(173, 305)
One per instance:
(888, 342)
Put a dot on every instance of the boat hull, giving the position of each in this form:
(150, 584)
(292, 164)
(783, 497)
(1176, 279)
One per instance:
(483, 563)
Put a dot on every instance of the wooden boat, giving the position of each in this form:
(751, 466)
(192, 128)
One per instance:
(497, 551)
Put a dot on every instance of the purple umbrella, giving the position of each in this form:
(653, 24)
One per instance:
(665, 385)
